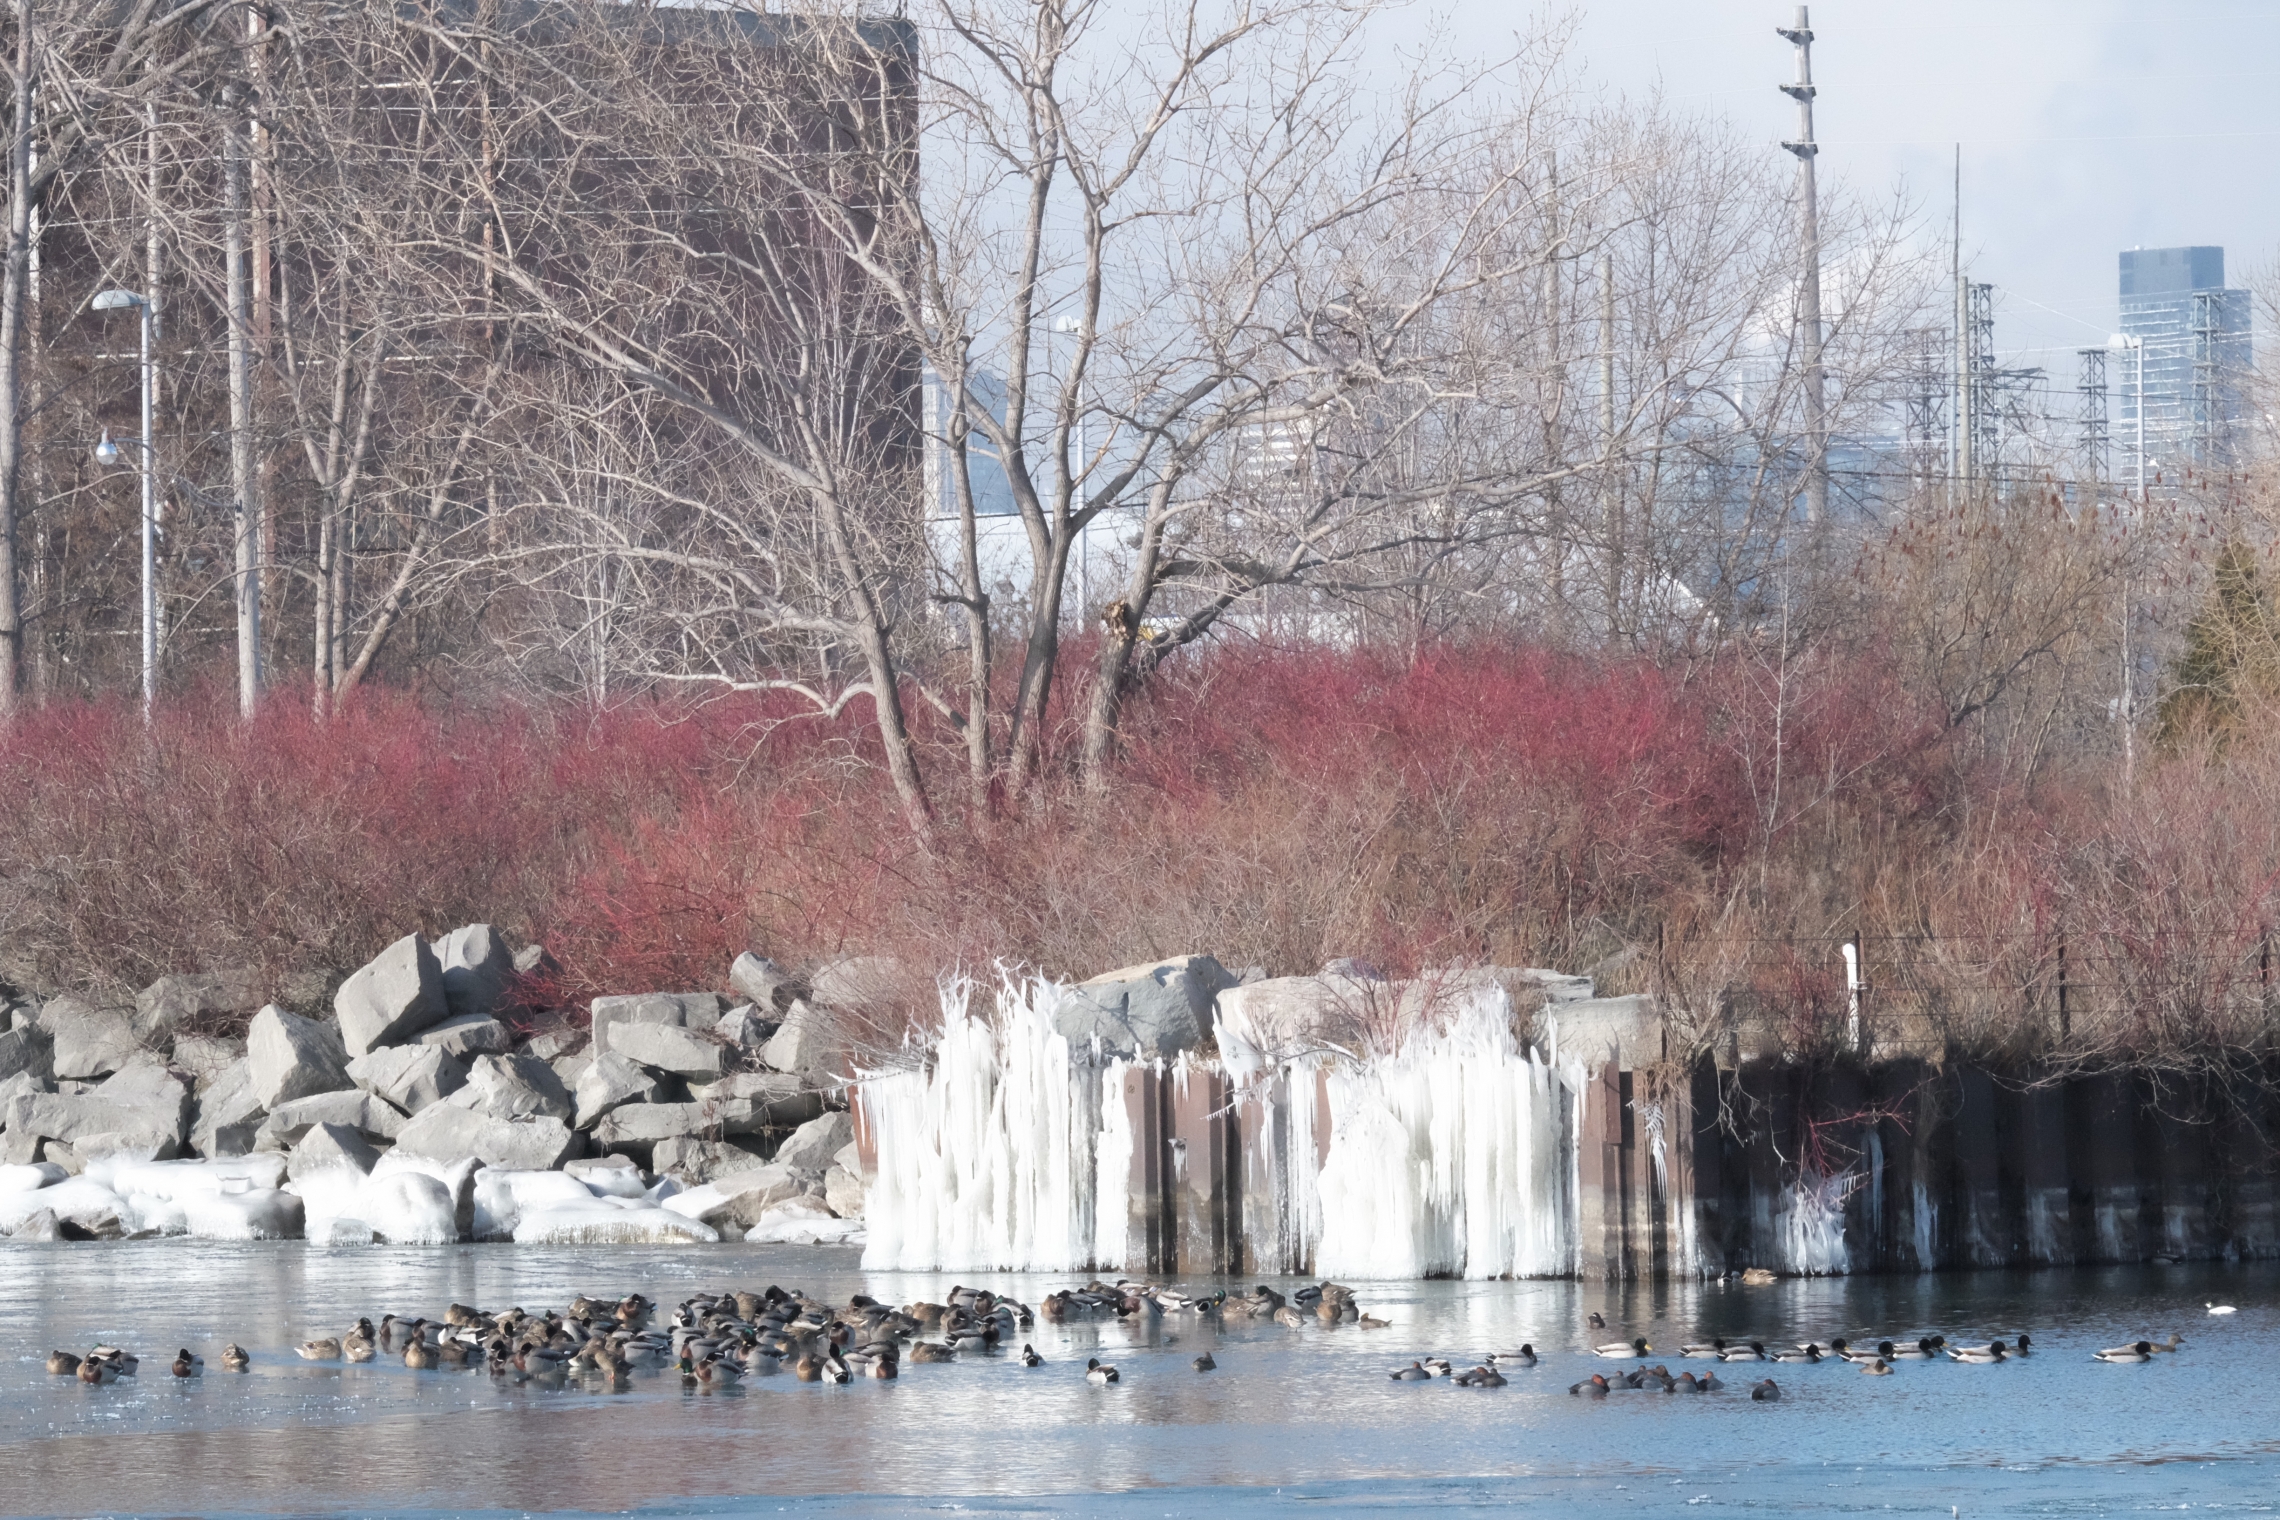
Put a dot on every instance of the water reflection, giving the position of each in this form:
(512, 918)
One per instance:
(1288, 1407)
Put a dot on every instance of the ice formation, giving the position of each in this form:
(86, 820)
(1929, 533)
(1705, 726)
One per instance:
(598, 1221)
(798, 1222)
(1812, 1224)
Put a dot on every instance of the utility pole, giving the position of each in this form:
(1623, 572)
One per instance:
(1809, 288)
(1611, 498)
(1962, 418)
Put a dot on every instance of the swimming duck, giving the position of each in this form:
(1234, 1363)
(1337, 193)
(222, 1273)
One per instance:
(326, 1350)
(1372, 1322)
(1204, 1363)
(1289, 1318)
(2170, 1344)
(885, 1369)
(1029, 1356)
(2019, 1345)
(1924, 1350)
(1753, 1352)
(1619, 1349)
(1857, 1354)
(1711, 1349)
(1877, 1368)
(1480, 1377)
(2137, 1351)
(1097, 1374)
(187, 1366)
(1413, 1373)
(932, 1351)
(1709, 1383)
(1593, 1387)
(1767, 1392)
(2215, 1308)
(62, 1363)
(1979, 1356)
(1686, 1383)
(234, 1358)
(1807, 1353)
(1597, 1321)
(1524, 1357)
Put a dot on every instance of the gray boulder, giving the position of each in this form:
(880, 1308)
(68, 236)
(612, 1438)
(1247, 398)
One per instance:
(807, 1044)
(762, 982)
(294, 1057)
(374, 1117)
(229, 1114)
(206, 1056)
(173, 1001)
(477, 969)
(532, 960)
(146, 1086)
(394, 996)
(684, 1010)
(554, 1044)
(647, 1123)
(72, 1118)
(751, 1101)
(572, 1069)
(20, 1085)
(88, 1041)
(40, 1226)
(815, 1145)
(843, 1192)
(1148, 1013)
(441, 1132)
(700, 1161)
(409, 1076)
(745, 1028)
(668, 1047)
(740, 1198)
(513, 1087)
(330, 1147)
(611, 1081)
(471, 1034)
(28, 1049)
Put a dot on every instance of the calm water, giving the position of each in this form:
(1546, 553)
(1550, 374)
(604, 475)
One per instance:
(1295, 1421)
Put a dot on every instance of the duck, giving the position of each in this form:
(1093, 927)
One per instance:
(932, 1351)
(1097, 1374)
(2137, 1351)
(387, 1332)
(2170, 1344)
(2217, 1308)
(1597, 1321)
(124, 1362)
(1621, 1349)
(1925, 1349)
(62, 1363)
(326, 1350)
(1808, 1353)
(234, 1358)
(1480, 1377)
(1413, 1373)
(418, 1355)
(2020, 1344)
(360, 1344)
(1524, 1357)
(1592, 1387)
(1753, 1352)
(1372, 1322)
(1712, 1349)
(187, 1366)
(1204, 1363)
(1979, 1356)
(1029, 1356)
(1858, 1355)
(1289, 1318)
(451, 1351)
(885, 1369)
(1686, 1382)
(1767, 1392)
(1709, 1383)
(94, 1370)
(1877, 1368)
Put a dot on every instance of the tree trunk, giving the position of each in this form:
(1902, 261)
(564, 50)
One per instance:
(14, 283)
(248, 521)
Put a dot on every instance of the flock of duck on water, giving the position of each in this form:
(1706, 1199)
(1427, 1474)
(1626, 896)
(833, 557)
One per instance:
(716, 1340)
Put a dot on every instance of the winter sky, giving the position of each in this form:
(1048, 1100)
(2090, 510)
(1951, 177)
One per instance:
(2087, 126)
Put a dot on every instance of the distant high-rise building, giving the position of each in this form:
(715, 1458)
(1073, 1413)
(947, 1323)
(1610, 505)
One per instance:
(2184, 353)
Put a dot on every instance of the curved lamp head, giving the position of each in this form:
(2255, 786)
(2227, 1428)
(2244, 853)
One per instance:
(115, 300)
(106, 452)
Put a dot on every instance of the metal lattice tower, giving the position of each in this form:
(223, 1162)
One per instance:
(2205, 439)
(2095, 440)
(1926, 402)
(1982, 416)
(1806, 149)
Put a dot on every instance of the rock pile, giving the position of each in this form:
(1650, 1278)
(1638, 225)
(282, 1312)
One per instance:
(417, 1114)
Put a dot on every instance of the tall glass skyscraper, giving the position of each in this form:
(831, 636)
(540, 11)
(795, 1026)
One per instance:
(2184, 353)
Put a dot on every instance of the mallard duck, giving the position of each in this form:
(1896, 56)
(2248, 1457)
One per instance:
(1204, 1363)
(1372, 1322)
(418, 1355)
(187, 1366)
(94, 1369)
(2216, 1308)
(1413, 1373)
(234, 1358)
(1524, 1357)
(1860, 1356)
(360, 1344)
(62, 1363)
(1877, 1368)
(1620, 1349)
(1753, 1352)
(1097, 1374)
(1924, 1350)
(1979, 1356)
(1029, 1356)
(1711, 1350)
(931, 1351)
(1767, 1392)
(1597, 1321)
(1808, 1353)
(451, 1351)
(2136, 1351)
(1480, 1377)
(125, 1362)
(2020, 1345)
(1289, 1318)
(2170, 1344)
(326, 1350)
(1593, 1387)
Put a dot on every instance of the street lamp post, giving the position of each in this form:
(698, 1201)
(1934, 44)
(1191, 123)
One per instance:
(114, 300)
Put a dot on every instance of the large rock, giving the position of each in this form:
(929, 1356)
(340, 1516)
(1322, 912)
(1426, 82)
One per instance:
(204, 1057)
(174, 1001)
(696, 1160)
(844, 1192)
(394, 996)
(477, 970)
(409, 1076)
(684, 1010)
(513, 1087)
(71, 1118)
(329, 1147)
(1148, 1013)
(746, 1028)
(29, 1049)
(765, 984)
(750, 1101)
(293, 1057)
(230, 1112)
(741, 1198)
(668, 1047)
(470, 1034)
(554, 1044)
(647, 1123)
(88, 1041)
(807, 1044)
(145, 1085)
(815, 1145)
(611, 1081)
(373, 1117)
(441, 1132)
